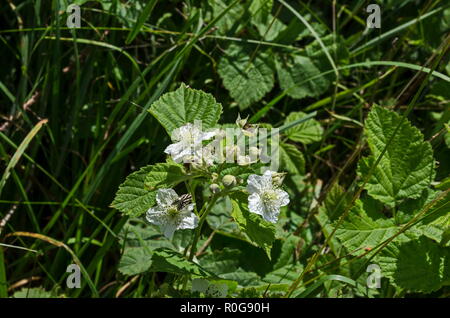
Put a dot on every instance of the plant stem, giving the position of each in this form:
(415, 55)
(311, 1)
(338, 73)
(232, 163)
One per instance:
(206, 208)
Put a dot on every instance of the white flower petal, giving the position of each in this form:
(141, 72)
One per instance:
(177, 133)
(271, 215)
(166, 197)
(208, 135)
(255, 204)
(173, 149)
(168, 228)
(283, 197)
(156, 215)
(267, 179)
(189, 207)
(189, 222)
(184, 155)
(256, 184)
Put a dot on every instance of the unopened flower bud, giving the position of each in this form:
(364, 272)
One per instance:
(214, 188)
(241, 122)
(229, 181)
(214, 176)
(254, 152)
(278, 178)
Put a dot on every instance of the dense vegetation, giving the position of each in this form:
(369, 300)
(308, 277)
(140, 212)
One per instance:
(364, 122)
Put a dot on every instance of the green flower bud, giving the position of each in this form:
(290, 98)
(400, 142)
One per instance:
(241, 122)
(229, 181)
(254, 153)
(214, 188)
(278, 178)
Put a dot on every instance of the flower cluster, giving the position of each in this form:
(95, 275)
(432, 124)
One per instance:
(188, 146)
(174, 212)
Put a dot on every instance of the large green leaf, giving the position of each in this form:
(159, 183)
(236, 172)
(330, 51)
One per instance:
(406, 168)
(165, 175)
(225, 264)
(260, 232)
(268, 26)
(288, 247)
(247, 75)
(132, 198)
(135, 260)
(436, 225)
(165, 260)
(284, 275)
(366, 227)
(306, 132)
(332, 208)
(186, 105)
(293, 70)
(291, 159)
(418, 265)
(231, 20)
(34, 293)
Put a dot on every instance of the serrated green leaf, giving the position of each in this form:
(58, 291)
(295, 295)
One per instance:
(332, 208)
(132, 198)
(33, 293)
(186, 105)
(335, 45)
(135, 260)
(410, 207)
(288, 247)
(293, 70)
(336, 201)
(436, 225)
(447, 135)
(366, 227)
(243, 277)
(165, 175)
(259, 231)
(165, 260)
(261, 17)
(222, 261)
(284, 275)
(306, 132)
(291, 159)
(418, 265)
(247, 76)
(231, 19)
(406, 168)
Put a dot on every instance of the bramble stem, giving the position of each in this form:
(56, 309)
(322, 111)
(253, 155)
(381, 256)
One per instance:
(203, 213)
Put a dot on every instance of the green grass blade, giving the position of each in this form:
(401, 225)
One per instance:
(15, 158)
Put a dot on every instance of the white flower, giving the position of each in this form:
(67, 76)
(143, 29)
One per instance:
(171, 214)
(204, 156)
(265, 198)
(188, 141)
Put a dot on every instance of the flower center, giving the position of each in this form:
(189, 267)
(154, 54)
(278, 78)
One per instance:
(172, 211)
(269, 196)
(190, 138)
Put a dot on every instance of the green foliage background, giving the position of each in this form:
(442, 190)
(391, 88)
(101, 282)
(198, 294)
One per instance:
(365, 187)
